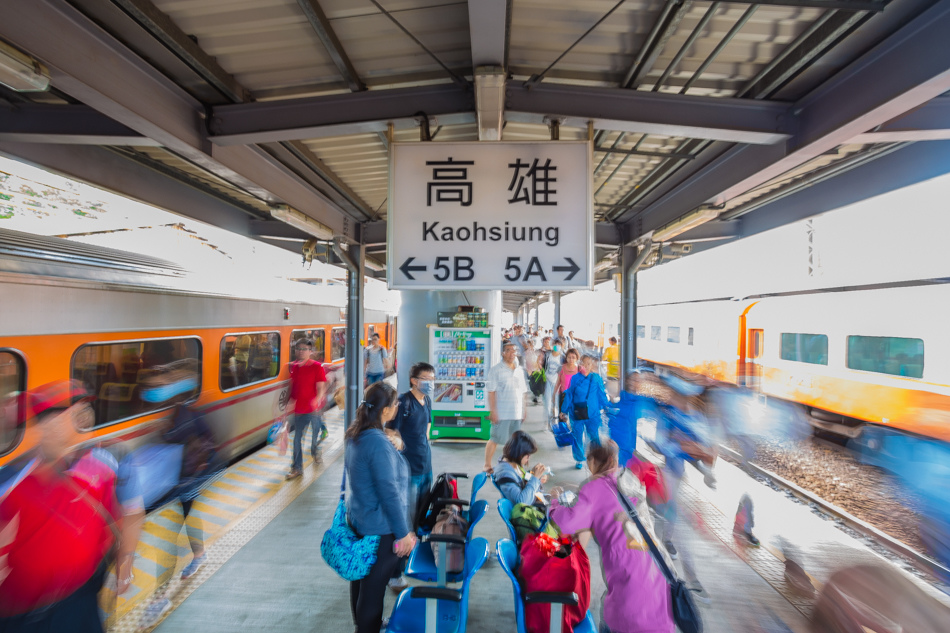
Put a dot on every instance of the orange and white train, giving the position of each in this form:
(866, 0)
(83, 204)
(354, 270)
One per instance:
(864, 363)
(107, 318)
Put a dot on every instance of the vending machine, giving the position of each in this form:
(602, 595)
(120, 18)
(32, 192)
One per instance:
(462, 357)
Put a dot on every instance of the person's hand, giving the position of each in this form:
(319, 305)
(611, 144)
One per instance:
(538, 470)
(556, 492)
(403, 546)
(493, 417)
(563, 417)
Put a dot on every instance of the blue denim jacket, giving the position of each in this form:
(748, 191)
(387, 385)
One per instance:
(377, 481)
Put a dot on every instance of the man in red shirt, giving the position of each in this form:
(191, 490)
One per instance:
(308, 386)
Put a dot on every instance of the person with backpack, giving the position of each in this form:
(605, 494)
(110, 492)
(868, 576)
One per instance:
(584, 401)
(638, 594)
(412, 422)
(517, 483)
(377, 500)
(66, 516)
(377, 361)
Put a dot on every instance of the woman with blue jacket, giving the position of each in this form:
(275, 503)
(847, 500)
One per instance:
(587, 388)
(378, 500)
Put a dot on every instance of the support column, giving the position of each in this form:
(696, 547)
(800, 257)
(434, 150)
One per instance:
(537, 310)
(631, 261)
(353, 358)
(628, 313)
(556, 298)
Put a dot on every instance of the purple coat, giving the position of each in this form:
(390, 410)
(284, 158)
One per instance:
(638, 595)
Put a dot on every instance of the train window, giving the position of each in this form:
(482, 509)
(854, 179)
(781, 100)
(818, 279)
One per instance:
(655, 331)
(641, 331)
(116, 374)
(672, 334)
(337, 343)
(805, 348)
(12, 384)
(689, 339)
(317, 337)
(887, 355)
(248, 357)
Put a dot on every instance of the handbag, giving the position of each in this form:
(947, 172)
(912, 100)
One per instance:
(550, 564)
(347, 553)
(685, 613)
(580, 408)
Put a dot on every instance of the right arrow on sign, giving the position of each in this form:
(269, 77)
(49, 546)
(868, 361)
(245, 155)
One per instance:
(572, 269)
(406, 268)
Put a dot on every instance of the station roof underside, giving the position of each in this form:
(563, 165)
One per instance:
(224, 109)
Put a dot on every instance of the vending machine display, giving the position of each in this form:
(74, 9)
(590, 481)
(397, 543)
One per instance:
(462, 358)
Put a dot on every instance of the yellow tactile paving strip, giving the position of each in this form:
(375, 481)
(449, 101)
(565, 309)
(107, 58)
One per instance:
(230, 512)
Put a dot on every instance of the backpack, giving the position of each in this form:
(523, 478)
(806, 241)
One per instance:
(450, 521)
(529, 519)
(444, 487)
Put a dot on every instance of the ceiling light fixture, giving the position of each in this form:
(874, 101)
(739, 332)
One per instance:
(20, 72)
(689, 221)
(303, 222)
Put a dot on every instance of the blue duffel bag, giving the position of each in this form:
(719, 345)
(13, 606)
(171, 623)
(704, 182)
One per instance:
(562, 434)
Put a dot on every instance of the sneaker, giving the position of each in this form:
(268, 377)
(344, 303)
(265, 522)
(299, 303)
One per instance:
(293, 474)
(699, 592)
(798, 579)
(193, 566)
(670, 549)
(317, 456)
(579, 465)
(398, 584)
(154, 612)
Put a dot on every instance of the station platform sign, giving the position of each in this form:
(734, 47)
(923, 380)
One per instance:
(490, 215)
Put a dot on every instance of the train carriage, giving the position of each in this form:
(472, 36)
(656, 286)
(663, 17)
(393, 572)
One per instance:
(108, 318)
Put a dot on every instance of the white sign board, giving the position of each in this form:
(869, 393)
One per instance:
(490, 216)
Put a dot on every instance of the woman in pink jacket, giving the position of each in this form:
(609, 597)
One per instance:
(638, 595)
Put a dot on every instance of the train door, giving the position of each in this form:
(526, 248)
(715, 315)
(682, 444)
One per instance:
(753, 368)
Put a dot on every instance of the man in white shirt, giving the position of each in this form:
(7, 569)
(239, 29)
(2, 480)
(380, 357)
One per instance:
(507, 400)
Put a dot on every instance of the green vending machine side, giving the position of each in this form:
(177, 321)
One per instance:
(462, 358)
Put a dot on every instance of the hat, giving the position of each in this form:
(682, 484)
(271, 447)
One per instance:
(59, 394)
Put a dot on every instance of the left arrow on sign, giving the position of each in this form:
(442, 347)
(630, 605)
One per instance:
(572, 269)
(407, 269)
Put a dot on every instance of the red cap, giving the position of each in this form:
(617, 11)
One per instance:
(59, 394)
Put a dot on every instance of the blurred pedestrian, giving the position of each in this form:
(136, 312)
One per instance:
(584, 402)
(612, 359)
(637, 599)
(552, 367)
(308, 384)
(66, 515)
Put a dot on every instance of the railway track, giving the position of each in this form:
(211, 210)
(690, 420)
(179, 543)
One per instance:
(918, 560)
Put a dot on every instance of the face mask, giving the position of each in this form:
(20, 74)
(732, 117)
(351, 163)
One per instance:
(427, 387)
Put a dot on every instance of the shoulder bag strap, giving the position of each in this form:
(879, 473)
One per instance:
(632, 513)
(343, 485)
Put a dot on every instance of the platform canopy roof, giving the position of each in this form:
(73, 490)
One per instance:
(704, 116)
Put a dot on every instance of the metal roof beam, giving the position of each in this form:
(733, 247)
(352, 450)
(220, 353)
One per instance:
(930, 122)
(93, 67)
(65, 124)
(733, 120)
(324, 30)
(488, 26)
(898, 75)
(164, 28)
(336, 115)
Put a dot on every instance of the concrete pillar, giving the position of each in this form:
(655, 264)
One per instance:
(419, 308)
(537, 310)
(628, 312)
(556, 298)
(353, 358)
